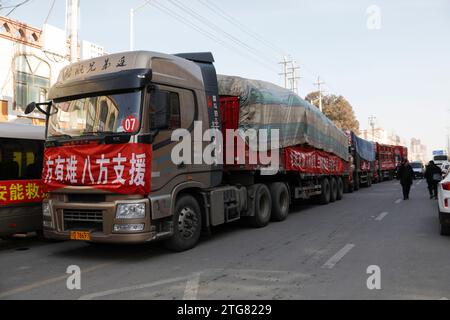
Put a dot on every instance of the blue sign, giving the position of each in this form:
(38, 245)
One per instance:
(439, 153)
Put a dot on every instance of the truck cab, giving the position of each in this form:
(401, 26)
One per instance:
(109, 142)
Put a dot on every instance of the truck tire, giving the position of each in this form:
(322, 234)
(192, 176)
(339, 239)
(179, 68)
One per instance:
(333, 190)
(445, 230)
(340, 188)
(262, 206)
(187, 225)
(281, 200)
(325, 196)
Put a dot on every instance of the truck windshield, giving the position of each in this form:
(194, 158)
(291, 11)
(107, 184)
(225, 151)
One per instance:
(440, 158)
(96, 115)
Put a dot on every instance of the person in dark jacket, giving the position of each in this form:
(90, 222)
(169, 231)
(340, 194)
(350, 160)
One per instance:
(433, 174)
(406, 177)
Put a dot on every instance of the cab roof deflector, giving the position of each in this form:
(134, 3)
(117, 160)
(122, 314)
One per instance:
(199, 57)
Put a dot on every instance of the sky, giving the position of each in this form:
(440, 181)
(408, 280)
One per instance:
(399, 72)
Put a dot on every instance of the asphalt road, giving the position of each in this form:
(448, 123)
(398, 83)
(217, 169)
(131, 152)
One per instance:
(320, 252)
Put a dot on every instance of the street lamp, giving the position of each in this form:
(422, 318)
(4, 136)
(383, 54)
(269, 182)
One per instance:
(132, 12)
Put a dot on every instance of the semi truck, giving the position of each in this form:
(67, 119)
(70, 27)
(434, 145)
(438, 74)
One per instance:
(363, 157)
(117, 163)
(388, 159)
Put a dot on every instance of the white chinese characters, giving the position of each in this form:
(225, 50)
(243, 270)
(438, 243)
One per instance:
(102, 170)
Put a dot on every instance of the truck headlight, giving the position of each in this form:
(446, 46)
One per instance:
(46, 210)
(130, 211)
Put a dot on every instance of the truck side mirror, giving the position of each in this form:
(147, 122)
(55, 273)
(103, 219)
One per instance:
(33, 106)
(30, 108)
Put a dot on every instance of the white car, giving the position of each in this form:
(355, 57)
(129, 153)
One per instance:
(445, 168)
(444, 205)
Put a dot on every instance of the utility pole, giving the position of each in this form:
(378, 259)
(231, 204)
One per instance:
(372, 123)
(132, 13)
(294, 79)
(72, 18)
(285, 63)
(319, 85)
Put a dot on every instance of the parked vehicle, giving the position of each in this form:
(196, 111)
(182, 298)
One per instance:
(21, 186)
(113, 130)
(445, 168)
(439, 160)
(363, 156)
(444, 205)
(419, 169)
(389, 159)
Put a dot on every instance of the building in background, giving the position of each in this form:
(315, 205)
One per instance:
(31, 59)
(383, 136)
(418, 151)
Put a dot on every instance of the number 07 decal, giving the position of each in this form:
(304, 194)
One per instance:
(130, 124)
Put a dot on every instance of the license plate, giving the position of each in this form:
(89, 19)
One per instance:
(80, 236)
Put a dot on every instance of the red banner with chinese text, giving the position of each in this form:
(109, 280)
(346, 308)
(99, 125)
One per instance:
(22, 191)
(312, 161)
(116, 168)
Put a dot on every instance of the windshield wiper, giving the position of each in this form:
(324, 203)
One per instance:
(66, 136)
(98, 133)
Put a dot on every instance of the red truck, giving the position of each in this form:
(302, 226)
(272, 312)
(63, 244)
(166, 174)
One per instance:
(389, 159)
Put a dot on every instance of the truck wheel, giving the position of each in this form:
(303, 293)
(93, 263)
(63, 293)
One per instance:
(445, 230)
(262, 205)
(340, 189)
(281, 200)
(187, 225)
(333, 190)
(326, 192)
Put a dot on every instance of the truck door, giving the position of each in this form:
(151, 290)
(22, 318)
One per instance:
(181, 106)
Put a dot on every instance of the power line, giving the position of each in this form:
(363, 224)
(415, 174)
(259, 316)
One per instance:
(204, 32)
(50, 11)
(14, 7)
(236, 23)
(214, 8)
(216, 28)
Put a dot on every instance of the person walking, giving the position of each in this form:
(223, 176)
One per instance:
(406, 177)
(433, 174)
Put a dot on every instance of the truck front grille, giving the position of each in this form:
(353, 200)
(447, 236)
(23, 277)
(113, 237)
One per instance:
(83, 219)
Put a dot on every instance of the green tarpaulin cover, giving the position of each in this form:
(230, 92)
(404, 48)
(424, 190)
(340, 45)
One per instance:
(268, 106)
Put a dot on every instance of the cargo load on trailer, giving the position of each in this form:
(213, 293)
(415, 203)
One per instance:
(363, 158)
(264, 105)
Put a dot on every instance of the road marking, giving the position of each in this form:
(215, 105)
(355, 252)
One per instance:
(398, 201)
(382, 216)
(338, 256)
(191, 291)
(132, 288)
(444, 299)
(47, 282)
